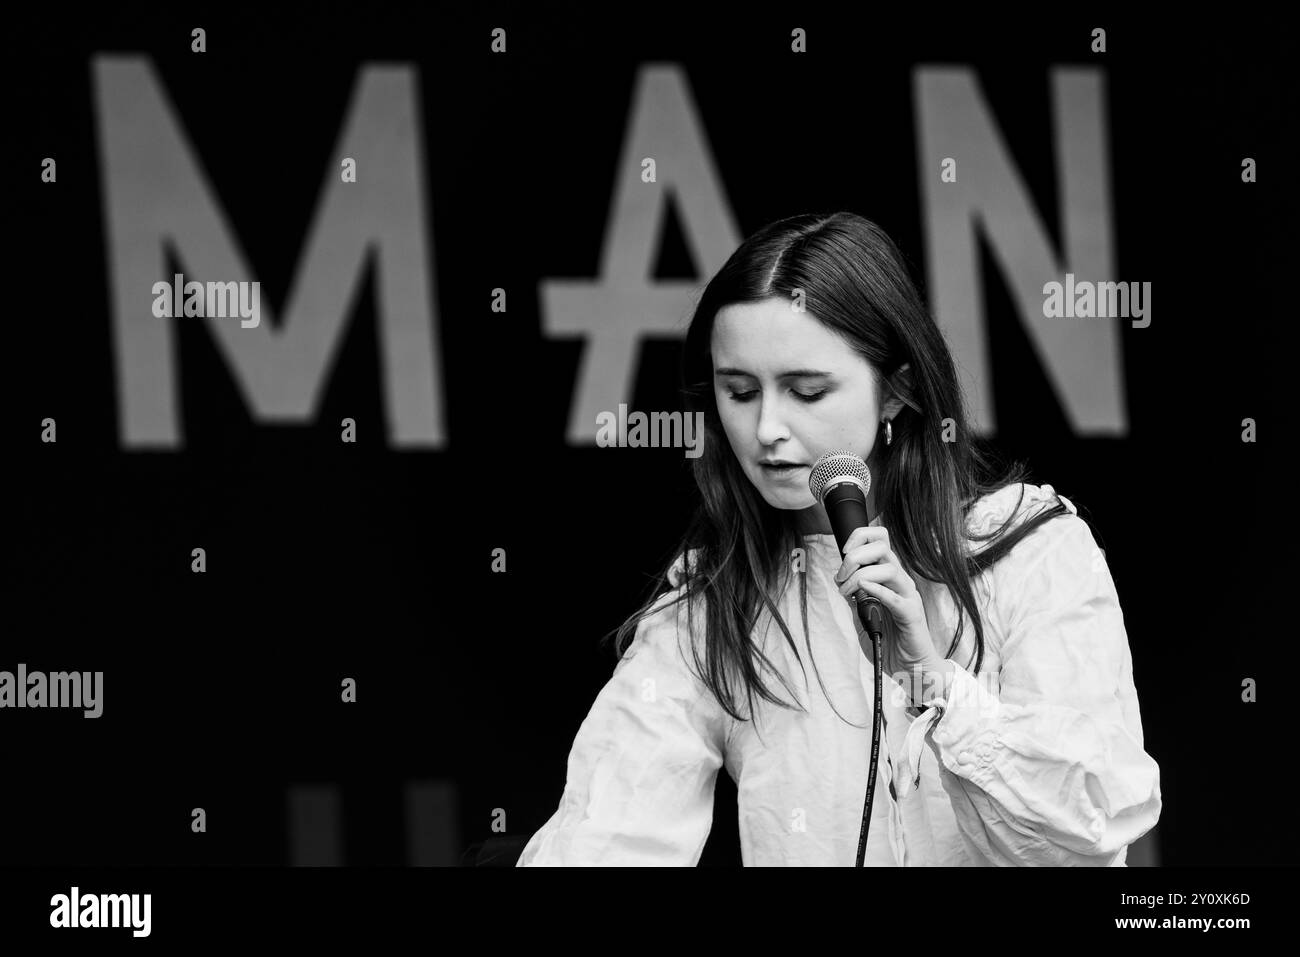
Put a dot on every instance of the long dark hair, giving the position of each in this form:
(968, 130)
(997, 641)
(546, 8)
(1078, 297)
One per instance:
(854, 281)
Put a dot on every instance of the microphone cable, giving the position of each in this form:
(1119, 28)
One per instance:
(872, 620)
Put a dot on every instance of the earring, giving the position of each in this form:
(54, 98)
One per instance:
(889, 432)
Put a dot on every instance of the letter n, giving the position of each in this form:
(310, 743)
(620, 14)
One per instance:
(1081, 360)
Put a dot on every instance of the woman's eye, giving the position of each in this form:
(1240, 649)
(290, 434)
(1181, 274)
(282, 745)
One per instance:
(804, 396)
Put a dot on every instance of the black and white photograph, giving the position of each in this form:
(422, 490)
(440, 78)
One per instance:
(679, 435)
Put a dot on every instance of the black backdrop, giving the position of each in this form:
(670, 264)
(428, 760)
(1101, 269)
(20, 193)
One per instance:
(328, 560)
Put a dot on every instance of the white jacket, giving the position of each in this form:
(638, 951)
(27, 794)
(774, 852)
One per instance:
(1038, 762)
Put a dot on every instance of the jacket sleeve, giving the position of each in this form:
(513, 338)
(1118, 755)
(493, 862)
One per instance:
(1047, 766)
(641, 772)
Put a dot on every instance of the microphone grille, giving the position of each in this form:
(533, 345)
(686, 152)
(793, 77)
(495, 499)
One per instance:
(838, 464)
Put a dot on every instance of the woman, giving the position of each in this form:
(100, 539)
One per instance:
(1011, 733)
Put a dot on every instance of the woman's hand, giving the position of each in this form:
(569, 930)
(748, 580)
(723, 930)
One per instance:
(871, 566)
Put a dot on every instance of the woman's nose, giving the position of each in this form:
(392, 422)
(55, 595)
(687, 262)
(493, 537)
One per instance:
(771, 426)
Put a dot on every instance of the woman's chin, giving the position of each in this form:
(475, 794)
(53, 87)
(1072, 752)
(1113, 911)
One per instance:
(792, 500)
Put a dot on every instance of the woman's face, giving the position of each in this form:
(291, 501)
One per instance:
(789, 388)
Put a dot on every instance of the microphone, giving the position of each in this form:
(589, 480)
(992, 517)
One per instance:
(840, 481)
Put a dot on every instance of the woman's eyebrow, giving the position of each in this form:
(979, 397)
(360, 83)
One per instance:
(791, 374)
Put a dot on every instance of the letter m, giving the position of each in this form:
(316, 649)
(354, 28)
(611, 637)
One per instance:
(157, 196)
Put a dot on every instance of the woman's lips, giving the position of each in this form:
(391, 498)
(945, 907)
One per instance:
(782, 471)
